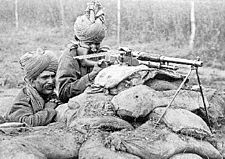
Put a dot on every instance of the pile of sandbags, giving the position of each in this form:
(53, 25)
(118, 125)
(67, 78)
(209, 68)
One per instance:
(121, 120)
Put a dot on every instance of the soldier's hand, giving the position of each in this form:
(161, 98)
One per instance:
(94, 72)
(102, 63)
(51, 105)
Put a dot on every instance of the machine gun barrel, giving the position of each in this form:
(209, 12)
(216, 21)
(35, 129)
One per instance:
(157, 65)
(158, 58)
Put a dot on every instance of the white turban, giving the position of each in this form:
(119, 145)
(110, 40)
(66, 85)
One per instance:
(89, 30)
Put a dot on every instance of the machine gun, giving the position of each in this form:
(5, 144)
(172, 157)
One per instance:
(133, 58)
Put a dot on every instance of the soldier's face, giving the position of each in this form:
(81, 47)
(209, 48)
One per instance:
(45, 83)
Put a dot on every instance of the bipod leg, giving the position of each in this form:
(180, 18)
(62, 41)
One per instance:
(203, 99)
(177, 91)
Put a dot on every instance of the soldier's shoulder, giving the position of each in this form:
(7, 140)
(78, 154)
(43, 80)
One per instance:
(70, 50)
(23, 95)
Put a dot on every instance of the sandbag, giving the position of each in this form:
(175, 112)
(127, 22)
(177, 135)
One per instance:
(94, 148)
(61, 112)
(12, 149)
(105, 123)
(162, 85)
(184, 122)
(89, 100)
(165, 80)
(85, 105)
(186, 99)
(93, 111)
(148, 141)
(220, 140)
(117, 78)
(111, 76)
(53, 141)
(134, 102)
(186, 156)
(65, 114)
(140, 100)
(216, 109)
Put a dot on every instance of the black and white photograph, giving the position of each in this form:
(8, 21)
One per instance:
(112, 79)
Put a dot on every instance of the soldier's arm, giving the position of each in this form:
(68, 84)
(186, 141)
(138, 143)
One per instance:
(23, 111)
(69, 80)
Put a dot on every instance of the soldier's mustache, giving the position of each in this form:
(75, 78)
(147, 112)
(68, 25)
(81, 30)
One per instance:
(50, 86)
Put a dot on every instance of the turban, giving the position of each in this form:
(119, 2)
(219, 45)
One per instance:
(90, 31)
(34, 63)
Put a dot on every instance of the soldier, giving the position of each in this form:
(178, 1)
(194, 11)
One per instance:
(74, 75)
(36, 102)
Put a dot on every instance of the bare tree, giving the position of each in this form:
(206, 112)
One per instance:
(118, 22)
(16, 14)
(62, 16)
(192, 37)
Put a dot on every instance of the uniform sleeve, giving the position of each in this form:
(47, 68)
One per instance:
(22, 111)
(69, 80)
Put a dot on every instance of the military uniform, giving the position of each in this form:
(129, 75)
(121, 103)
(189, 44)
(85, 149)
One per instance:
(89, 29)
(36, 102)
(72, 77)
(23, 110)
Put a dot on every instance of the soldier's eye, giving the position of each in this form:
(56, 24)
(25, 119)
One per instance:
(45, 77)
(53, 76)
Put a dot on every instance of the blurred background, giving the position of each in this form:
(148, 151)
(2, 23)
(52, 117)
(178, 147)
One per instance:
(156, 26)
